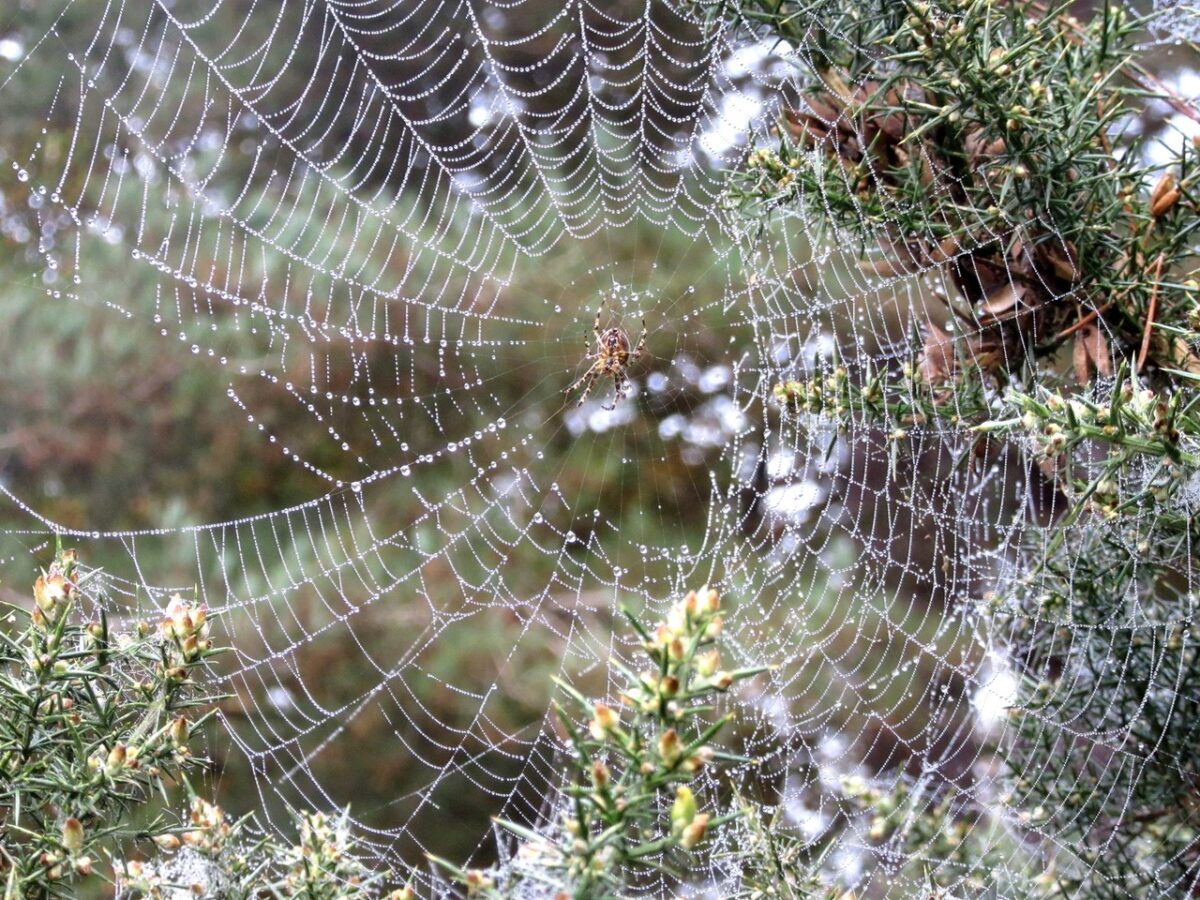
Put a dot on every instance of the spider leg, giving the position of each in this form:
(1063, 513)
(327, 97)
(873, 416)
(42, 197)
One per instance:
(618, 390)
(596, 324)
(588, 381)
(641, 344)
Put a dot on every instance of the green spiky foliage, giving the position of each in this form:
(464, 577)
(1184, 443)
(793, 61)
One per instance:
(1008, 154)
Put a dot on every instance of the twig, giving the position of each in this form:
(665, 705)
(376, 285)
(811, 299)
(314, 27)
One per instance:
(1085, 320)
(1141, 360)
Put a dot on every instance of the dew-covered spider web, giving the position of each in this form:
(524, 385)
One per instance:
(374, 237)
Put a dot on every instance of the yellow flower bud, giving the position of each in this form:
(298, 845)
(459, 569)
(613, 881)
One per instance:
(683, 810)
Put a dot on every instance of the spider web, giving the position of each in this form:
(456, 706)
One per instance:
(353, 216)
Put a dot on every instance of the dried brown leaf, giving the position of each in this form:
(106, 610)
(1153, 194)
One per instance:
(1061, 259)
(1163, 204)
(1095, 345)
(1165, 185)
(938, 363)
(1003, 300)
(1081, 359)
(1184, 357)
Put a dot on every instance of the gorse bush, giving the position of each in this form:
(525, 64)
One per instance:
(1008, 151)
(95, 720)
(632, 812)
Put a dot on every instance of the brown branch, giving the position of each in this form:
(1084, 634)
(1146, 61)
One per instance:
(1085, 320)
(1141, 360)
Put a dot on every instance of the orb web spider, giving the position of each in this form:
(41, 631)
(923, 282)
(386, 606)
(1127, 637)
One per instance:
(612, 356)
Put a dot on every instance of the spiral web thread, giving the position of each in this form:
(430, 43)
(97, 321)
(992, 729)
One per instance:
(335, 206)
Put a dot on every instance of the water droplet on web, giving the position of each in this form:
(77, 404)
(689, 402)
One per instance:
(356, 486)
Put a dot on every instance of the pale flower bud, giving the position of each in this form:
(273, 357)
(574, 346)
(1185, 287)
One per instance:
(709, 601)
(693, 834)
(721, 681)
(116, 759)
(670, 747)
(179, 732)
(698, 760)
(190, 647)
(477, 881)
(605, 721)
(677, 620)
(675, 650)
(707, 663)
(51, 595)
(72, 835)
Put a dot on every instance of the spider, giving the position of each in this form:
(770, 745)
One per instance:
(612, 358)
